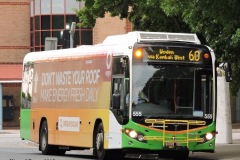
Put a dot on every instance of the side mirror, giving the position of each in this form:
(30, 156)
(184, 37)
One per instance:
(116, 101)
(228, 72)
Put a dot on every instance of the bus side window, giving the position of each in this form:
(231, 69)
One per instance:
(116, 95)
(26, 93)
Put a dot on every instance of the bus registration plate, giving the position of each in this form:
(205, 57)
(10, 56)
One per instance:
(172, 144)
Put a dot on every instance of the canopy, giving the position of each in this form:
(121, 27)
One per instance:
(10, 73)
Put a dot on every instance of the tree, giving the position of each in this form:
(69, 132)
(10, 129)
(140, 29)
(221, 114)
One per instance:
(216, 22)
(144, 15)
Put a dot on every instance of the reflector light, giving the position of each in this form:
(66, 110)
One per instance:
(206, 55)
(127, 131)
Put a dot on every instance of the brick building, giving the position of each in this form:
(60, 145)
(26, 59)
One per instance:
(24, 26)
(109, 26)
(14, 44)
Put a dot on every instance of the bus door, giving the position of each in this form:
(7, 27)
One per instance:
(120, 89)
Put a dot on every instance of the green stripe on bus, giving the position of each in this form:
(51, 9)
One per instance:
(25, 116)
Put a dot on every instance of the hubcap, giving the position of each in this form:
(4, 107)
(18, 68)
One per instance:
(99, 143)
(44, 142)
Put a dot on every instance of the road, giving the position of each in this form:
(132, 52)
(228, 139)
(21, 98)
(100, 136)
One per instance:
(13, 148)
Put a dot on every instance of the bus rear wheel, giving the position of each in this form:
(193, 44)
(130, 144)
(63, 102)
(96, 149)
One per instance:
(44, 146)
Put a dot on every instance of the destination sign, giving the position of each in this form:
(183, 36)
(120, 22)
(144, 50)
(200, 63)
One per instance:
(178, 54)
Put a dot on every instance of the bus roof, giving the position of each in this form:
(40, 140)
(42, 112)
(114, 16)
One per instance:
(139, 36)
(125, 39)
(61, 53)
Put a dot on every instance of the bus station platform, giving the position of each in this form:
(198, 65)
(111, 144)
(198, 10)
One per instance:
(236, 126)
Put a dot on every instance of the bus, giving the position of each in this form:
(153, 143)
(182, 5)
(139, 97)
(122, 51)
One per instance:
(136, 93)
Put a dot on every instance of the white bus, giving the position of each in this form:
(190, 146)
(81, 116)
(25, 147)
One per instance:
(141, 92)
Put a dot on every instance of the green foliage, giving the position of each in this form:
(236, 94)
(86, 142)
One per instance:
(144, 14)
(94, 9)
(216, 22)
(23, 95)
(29, 97)
(148, 16)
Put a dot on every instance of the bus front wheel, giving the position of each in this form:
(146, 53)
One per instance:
(102, 154)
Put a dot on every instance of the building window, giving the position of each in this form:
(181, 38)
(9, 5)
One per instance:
(70, 6)
(76, 38)
(44, 34)
(37, 22)
(58, 6)
(70, 19)
(49, 18)
(86, 37)
(32, 39)
(58, 34)
(37, 38)
(45, 22)
(37, 7)
(45, 7)
(31, 24)
(58, 22)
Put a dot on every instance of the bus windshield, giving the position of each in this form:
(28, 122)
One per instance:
(164, 91)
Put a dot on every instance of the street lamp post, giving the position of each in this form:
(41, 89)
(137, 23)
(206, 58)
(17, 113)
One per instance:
(72, 31)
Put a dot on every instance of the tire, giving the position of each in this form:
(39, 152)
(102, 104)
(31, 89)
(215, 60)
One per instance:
(44, 146)
(102, 154)
(94, 152)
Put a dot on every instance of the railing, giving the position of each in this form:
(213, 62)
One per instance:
(173, 138)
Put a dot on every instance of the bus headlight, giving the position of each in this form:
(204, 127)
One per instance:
(209, 136)
(134, 134)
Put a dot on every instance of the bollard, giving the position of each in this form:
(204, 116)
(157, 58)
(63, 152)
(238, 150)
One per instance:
(224, 121)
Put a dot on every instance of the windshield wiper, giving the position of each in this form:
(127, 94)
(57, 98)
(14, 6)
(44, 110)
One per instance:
(157, 115)
(184, 116)
(170, 115)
